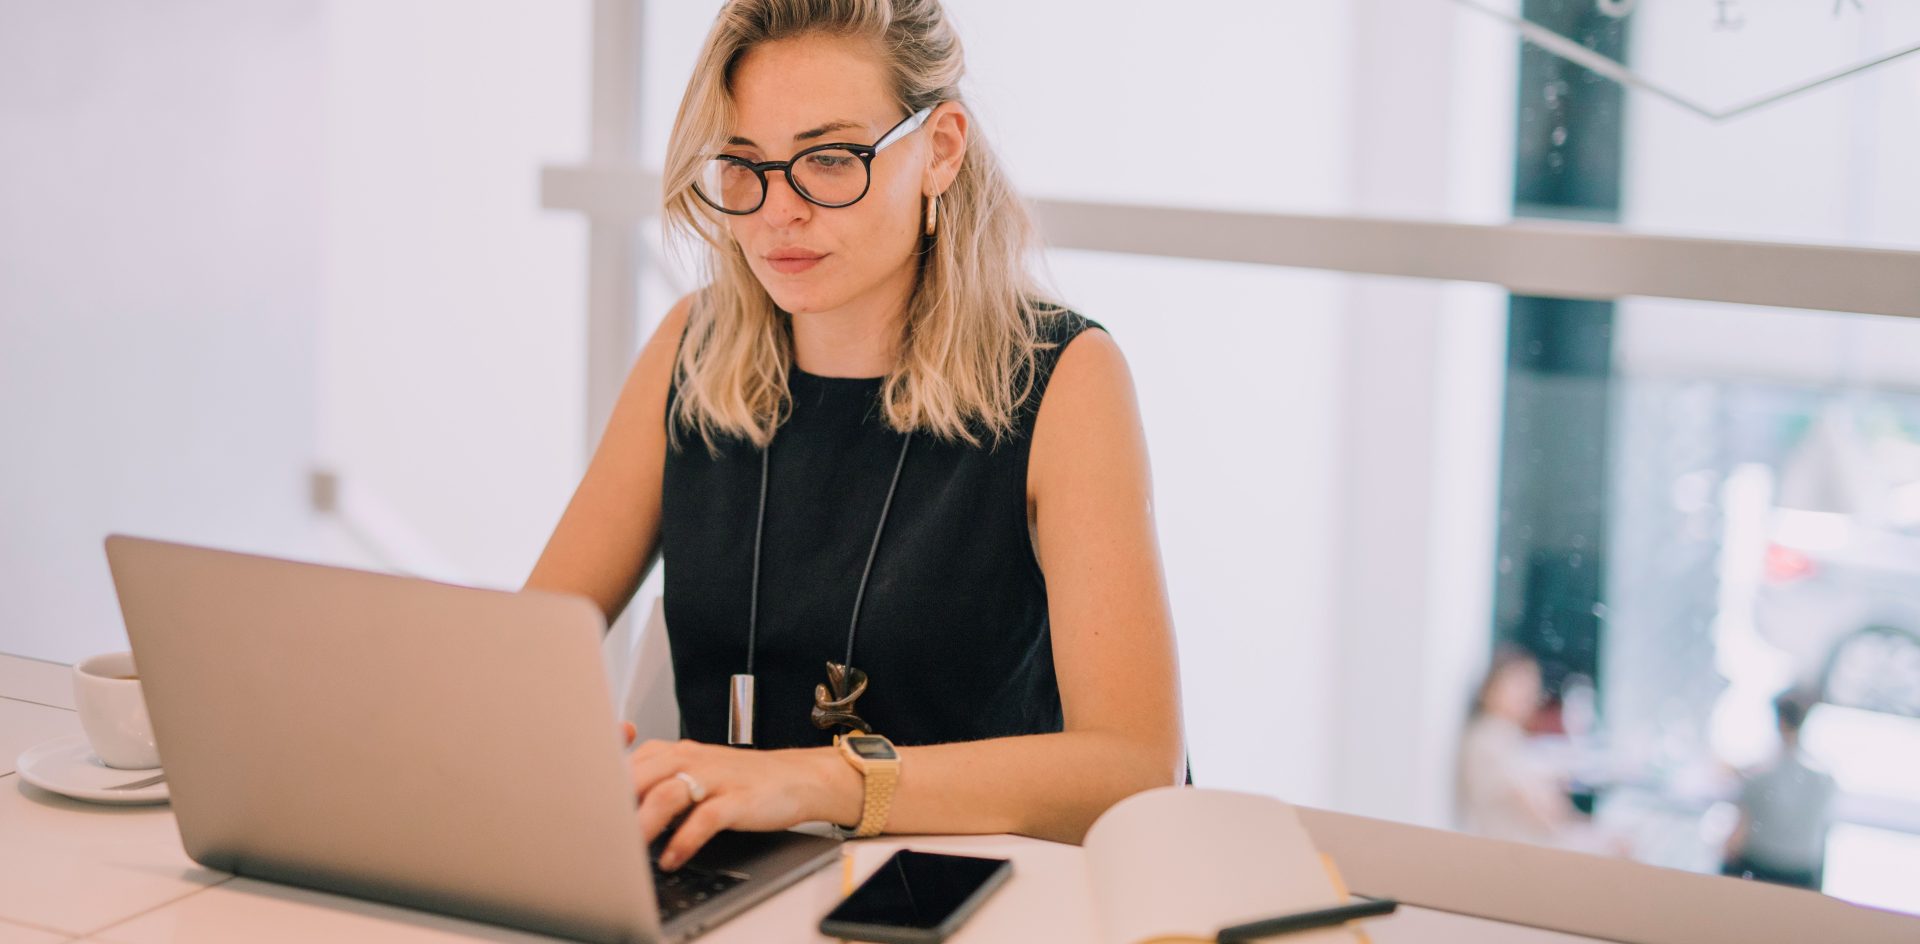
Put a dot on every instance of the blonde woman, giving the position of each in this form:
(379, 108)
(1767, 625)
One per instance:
(869, 441)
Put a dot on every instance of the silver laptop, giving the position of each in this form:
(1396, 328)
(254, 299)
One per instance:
(415, 742)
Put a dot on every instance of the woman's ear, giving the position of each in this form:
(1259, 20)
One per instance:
(947, 138)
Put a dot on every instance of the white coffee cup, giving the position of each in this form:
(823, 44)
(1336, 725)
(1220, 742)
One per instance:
(113, 711)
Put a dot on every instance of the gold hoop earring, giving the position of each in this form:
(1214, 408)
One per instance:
(933, 204)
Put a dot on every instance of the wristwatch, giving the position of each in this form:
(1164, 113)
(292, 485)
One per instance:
(879, 766)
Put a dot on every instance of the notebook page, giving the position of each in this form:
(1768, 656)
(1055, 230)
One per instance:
(1180, 863)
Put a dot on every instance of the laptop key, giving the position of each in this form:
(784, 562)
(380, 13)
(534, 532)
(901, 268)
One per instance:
(688, 886)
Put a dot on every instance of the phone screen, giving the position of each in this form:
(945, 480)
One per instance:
(917, 889)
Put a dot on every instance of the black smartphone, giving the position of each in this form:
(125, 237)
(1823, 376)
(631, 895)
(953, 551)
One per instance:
(916, 898)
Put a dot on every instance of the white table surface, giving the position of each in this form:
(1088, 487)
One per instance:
(73, 871)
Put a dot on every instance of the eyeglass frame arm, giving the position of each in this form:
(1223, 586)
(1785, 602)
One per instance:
(866, 153)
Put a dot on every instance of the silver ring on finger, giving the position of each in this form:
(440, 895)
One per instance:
(695, 791)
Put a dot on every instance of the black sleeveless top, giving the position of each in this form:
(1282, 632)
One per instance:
(953, 632)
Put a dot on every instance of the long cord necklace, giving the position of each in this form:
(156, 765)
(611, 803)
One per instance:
(832, 701)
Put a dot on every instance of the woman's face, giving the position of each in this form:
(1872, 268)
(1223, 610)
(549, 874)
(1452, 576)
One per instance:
(1515, 692)
(793, 94)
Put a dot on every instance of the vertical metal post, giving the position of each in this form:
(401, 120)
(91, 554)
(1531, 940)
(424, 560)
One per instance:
(613, 246)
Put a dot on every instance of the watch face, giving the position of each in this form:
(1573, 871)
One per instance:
(872, 748)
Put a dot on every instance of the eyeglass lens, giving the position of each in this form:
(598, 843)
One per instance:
(829, 176)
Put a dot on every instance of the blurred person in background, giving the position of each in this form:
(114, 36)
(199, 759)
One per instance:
(1506, 789)
(1786, 809)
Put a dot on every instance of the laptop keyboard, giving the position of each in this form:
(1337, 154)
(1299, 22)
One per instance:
(689, 886)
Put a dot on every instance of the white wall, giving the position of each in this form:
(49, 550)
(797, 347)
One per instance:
(160, 204)
(453, 344)
(1421, 373)
(240, 239)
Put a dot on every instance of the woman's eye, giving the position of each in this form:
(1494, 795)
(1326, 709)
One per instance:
(830, 161)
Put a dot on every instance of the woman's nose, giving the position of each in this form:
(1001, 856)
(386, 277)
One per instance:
(783, 204)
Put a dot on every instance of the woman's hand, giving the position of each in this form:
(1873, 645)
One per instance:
(745, 789)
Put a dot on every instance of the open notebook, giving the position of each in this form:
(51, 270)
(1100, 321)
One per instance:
(1177, 864)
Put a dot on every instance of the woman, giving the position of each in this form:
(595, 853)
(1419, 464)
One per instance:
(1506, 792)
(868, 442)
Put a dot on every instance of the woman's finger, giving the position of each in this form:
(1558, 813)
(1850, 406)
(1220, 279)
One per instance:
(708, 817)
(661, 804)
(654, 761)
(631, 732)
(651, 747)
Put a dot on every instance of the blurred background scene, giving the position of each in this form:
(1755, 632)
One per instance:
(1624, 569)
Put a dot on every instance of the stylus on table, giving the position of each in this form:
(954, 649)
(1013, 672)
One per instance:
(1305, 921)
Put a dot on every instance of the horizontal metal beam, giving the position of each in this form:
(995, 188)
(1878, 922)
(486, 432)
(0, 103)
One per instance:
(1558, 259)
(607, 194)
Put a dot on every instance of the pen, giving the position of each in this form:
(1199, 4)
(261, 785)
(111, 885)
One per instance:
(1305, 920)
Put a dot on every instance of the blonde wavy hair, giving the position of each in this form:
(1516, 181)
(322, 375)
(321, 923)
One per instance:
(969, 347)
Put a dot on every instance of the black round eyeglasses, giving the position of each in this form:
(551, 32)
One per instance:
(828, 175)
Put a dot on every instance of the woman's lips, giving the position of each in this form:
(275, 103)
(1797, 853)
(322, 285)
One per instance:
(792, 263)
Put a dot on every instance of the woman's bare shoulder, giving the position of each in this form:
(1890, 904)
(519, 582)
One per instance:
(1089, 418)
(1089, 380)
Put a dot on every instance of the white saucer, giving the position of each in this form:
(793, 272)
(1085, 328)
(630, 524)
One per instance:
(68, 766)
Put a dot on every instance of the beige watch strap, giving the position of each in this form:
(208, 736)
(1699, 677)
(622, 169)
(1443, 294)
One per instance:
(881, 778)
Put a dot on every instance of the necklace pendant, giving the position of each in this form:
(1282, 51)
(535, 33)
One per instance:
(833, 702)
(740, 711)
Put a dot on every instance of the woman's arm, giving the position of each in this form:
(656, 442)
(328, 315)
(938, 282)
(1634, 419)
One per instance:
(1113, 655)
(1113, 647)
(610, 533)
